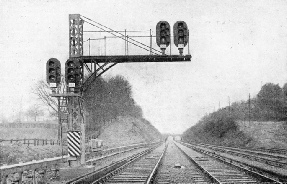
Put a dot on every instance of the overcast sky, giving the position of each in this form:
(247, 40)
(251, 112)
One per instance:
(236, 46)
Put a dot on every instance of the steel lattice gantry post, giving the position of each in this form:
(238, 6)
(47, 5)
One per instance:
(76, 50)
(75, 35)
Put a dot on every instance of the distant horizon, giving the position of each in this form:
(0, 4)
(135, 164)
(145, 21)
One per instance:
(168, 133)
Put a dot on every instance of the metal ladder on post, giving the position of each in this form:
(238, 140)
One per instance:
(63, 102)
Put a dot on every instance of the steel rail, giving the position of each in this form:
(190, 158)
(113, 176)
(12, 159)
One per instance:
(263, 151)
(104, 173)
(152, 175)
(120, 168)
(244, 151)
(110, 155)
(210, 176)
(252, 170)
(243, 154)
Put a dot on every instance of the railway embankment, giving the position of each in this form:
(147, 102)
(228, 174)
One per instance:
(219, 129)
(267, 134)
(120, 132)
(249, 134)
(259, 122)
(128, 130)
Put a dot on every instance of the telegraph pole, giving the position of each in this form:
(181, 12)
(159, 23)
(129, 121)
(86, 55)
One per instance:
(249, 107)
(229, 108)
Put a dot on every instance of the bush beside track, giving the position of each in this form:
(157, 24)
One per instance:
(257, 122)
(218, 128)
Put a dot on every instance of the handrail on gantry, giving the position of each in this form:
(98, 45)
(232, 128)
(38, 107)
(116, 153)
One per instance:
(122, 35)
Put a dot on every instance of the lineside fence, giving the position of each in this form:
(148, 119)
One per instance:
(32, 142)
(40, 142)
(29, 125)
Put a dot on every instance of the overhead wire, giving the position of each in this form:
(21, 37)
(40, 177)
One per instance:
(121, 35)
(122, 38)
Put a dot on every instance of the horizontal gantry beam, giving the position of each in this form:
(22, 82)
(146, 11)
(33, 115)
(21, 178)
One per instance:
(135, 58)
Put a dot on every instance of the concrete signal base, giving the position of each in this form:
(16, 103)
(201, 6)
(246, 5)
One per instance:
(74, 161)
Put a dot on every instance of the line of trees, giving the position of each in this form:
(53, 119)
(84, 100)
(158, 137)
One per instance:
(105, 100)
(270, 104)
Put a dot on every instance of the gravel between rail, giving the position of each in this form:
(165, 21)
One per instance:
(177, 168)
(68, 173)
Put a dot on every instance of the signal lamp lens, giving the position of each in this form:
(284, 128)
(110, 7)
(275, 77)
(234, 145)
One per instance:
(51, 63)
(162, 26)
(71, 64)
(71, 70)
(52, 78)
(162, 40)
(52, 71)
(180, 40)
(71, 78)
(162, 33)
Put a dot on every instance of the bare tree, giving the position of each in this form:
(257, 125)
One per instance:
(35, 111)
(43, 91)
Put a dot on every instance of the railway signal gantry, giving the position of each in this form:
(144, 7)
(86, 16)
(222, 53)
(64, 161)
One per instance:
(78, 64)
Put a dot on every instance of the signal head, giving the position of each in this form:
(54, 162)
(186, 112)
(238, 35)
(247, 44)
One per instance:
(163, 34)
(180, 32)
(73, 74)
(181, 37)
(53, 72)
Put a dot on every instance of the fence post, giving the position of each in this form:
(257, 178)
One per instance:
(20, 177)
(24, 141)
(45, 179)
(34, 176)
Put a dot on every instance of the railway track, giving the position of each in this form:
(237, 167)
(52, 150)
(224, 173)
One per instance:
(272, 150)
(141, 171)
(105, 174)
(262, 174)
(221, 170)
(272, 159)
(176, 163)
(177, 168)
